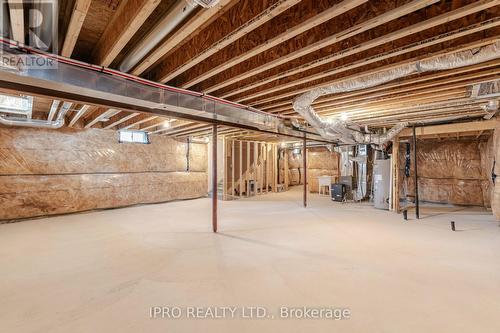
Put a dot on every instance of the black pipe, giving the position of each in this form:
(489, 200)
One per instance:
(417, 208)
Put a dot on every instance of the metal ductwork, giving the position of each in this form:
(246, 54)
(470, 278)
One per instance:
(89, 84)
(350, 133)
(24, 122)
(181, 10)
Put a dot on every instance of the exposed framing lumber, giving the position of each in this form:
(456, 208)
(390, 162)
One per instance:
(295, 92)
(179, 37)
(152, 124)
(166, 71)
(437, 83)
(177, 130)
(83, 110)
(372, 43)
(400, 86)
(125, 23)
(450, 128)
(367, 61)
(141, 119)
(335, 38)
(116, 120)
(53, 109)
(16, 12)
(316, 20)
(100, 117)
(78, 15)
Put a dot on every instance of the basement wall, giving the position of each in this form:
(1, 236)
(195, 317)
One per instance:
(450, 171)
(47, 172)
(320, 162)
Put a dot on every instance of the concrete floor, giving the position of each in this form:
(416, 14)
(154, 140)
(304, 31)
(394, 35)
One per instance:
(102, 271)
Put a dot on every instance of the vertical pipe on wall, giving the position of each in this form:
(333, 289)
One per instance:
(304, 161)
(214, 178)
(417, 210)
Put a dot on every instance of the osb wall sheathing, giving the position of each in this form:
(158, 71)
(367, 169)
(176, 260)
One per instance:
(449, 171)
(46, 172)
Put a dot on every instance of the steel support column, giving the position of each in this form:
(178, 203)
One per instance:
(417, 209)
(214, 178)
(304, 161)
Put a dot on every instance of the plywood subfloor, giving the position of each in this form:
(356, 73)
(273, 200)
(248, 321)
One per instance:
(102, 271)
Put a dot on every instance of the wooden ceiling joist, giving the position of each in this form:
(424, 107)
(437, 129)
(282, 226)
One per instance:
(407, 85)
(117, 120)
(398, 34)
(168, 127)
(450, 128)
(298, 91)
(176, 64)
(290, 33)
(335, 38)
(16, 13)
(53, 109)
(134, 122)
(188, 30)
(83, 110)
(126, 22)
(78, 15)
(181, 129)
(364, 62)
(104, 116)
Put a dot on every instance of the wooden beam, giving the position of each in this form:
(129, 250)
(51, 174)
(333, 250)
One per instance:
(397, 86)
(178, 38)
(178, 130)
(295, 92)
(78, 114)
(450, 128)
(367, 61)
(290, 33)
(141, 119)
(101, 117)
(80, 10)
(53, 109)
(374, 42)
(170, 68)
(335, 38)
(16, 12)
(127, 20)
(116, 120)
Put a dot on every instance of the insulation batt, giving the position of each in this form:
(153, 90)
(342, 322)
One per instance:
(321, 162)
(336, 129)
(44, 172)
(450, 171)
